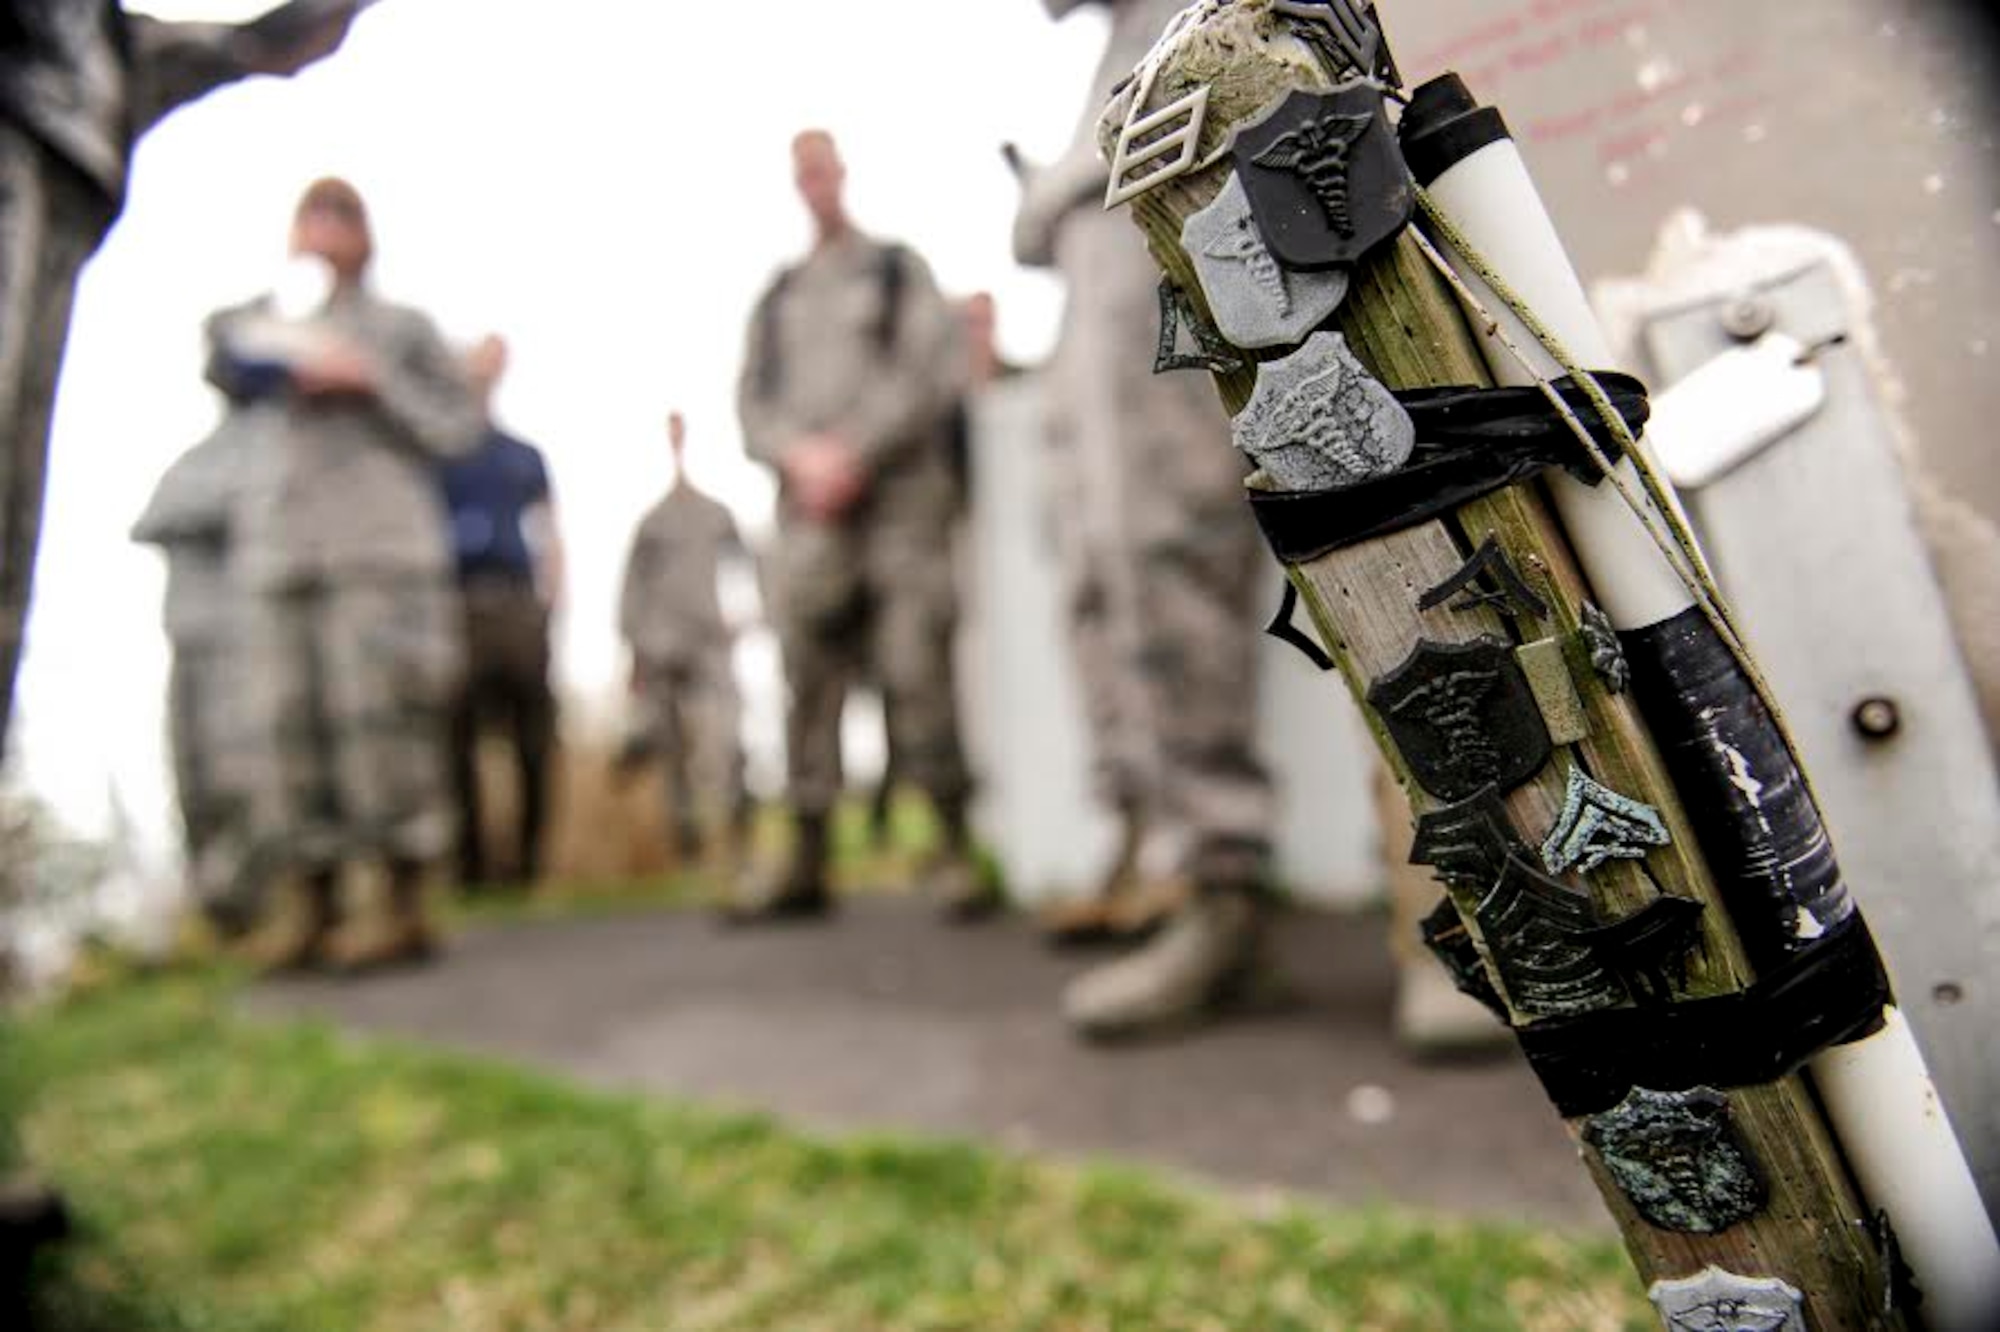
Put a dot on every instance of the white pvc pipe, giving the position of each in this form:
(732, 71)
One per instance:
(1910, 1165)
(1878, 1093)
(1493, 201)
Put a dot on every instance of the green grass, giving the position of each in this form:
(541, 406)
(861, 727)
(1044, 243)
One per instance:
(231, 1174)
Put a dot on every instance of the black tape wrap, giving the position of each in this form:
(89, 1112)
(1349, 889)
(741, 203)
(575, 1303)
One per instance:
(1821, 981)
(1832, 994)
(1471, 442)
(1742, 788)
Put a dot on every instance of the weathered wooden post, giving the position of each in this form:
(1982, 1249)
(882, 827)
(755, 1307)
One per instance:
(1636, 874)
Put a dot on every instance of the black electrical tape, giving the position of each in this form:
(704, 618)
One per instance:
(1443, 125)
(1760, 831)
(1832, 995)
(1471, 442)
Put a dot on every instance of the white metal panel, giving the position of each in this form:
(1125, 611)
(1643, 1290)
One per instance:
(1816, 543)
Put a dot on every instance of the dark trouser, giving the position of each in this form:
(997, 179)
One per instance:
(50, 221)
(506, 685)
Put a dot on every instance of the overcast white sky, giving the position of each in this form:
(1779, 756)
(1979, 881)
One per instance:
(603, 181)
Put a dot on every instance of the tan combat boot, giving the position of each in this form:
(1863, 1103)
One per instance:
(403, 936)
(1087, 921)
(966, 889)
(963, 889)
(1208, 960)
(300, 940)
(791, 890)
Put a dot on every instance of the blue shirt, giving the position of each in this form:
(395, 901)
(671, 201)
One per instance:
(488, 493)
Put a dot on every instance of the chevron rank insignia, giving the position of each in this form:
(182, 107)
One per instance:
(1598, 824)
(1178, 317)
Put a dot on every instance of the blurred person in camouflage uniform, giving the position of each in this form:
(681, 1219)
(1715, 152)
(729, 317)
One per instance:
(353, 623)
(683, 676)
(213, 749)
(849, 379)
(1160, 548)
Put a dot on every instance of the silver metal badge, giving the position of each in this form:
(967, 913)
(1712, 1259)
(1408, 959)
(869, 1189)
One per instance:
(1719, 1301)
(1597, 825)
(1257, 302)
(1320, 421)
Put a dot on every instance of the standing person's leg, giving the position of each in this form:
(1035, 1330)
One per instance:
(392, 656)
(1189, 561)
(914, 596)
(679, 724)
(462, 756)
(49, 223)
(815, 582)
(716, 746)
(535, 721)
(288, 762)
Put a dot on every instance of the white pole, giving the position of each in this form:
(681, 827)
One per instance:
(1878, 1092)
(1493, 200)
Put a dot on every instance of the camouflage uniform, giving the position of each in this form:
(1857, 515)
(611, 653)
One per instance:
(80, 81)
(1158, 541)
(353, 623)
(874, 589)
(1161, 549)
(683, 668)
(213, 748)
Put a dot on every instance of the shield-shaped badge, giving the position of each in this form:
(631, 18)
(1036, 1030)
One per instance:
(1677, 1157)
(1257, 302)
(1719, 1301)
(1464, 718)
(1325, 176)
(1320, 421)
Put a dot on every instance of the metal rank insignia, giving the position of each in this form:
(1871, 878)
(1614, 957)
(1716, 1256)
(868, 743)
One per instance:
(1178, 316)
(1320, 421)
(1344, 34)
(1607, 655)
(1464, 718)
(1598, 824)
(1677, 1158)
(1157, 144)
(1468, 844)
(1538, 932)
(1325, 176)
(1256, 300)
(1719, 1301)
(1452, 944)
(1488, 581)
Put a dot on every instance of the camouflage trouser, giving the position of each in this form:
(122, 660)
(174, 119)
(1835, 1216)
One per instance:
(49, 222)
(1180, 563)
(505, 683)
(695, 715)
(214, 748)
(1123, 747)
(351, 682)
(874, 599)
